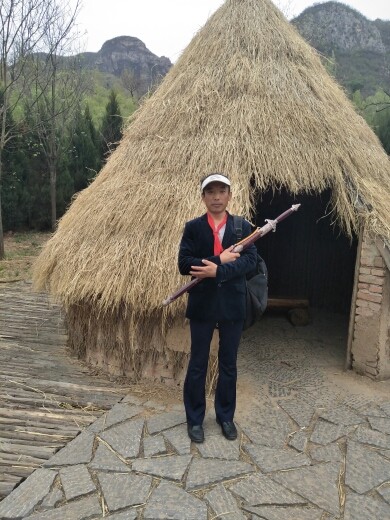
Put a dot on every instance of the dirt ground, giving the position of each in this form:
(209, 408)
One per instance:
(20, 251)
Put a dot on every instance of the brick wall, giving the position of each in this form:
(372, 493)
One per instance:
(370, 351)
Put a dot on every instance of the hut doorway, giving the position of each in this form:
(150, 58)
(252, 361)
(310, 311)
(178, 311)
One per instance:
(309, 257)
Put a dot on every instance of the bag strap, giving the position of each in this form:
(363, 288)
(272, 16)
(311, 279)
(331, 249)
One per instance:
(237, 221)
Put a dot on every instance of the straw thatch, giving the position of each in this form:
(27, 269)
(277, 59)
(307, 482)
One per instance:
(249, 98)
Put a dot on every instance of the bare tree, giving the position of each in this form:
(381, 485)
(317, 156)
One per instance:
(23, 24)
(59, 87)
(131, 83)
(28, 28)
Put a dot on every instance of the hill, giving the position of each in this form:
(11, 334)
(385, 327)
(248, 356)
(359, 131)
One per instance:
(358, 48)
(127, 58)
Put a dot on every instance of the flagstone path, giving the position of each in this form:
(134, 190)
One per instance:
(314, 444)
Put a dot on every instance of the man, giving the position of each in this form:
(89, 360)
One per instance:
(218, 301)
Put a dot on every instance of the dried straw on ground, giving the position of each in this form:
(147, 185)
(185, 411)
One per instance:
(249, 98)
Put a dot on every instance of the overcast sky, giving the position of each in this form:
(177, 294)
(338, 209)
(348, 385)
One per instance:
(167, 26)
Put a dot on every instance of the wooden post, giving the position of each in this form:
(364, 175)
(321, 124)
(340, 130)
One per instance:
(348, 359)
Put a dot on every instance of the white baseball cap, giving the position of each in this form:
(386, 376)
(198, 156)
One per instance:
(214, 177)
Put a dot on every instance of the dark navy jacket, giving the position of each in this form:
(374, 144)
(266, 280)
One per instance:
(223, 297)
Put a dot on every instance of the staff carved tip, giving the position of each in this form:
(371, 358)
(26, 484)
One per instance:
(295, 207)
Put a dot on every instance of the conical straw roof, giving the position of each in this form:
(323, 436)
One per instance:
(249, 98)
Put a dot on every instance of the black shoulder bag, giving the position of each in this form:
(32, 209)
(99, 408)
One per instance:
(256, 284)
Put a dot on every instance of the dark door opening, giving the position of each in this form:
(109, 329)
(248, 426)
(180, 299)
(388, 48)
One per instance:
(308, 256)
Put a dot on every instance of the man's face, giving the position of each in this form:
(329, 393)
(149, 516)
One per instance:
(216, 197)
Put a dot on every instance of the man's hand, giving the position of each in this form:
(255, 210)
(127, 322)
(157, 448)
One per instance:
(209, 270)
(228, 256)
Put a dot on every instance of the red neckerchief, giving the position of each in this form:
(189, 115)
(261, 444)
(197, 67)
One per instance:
(217, 243)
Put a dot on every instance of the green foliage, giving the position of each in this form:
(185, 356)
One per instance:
(383, 128)
(359, 102)
(376, 111)
(26, 183)
(100, 87)
(65, 187)
(13, 177)
(13, 193)
(36, 184)
(84, 153)
(377, 114)
(361, 70)
(111, 129)
(330, 63)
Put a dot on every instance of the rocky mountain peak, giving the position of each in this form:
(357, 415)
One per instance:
(127, 54)
(123, 42)
(333, 26)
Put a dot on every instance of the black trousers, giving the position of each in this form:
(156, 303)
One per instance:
(194, 385)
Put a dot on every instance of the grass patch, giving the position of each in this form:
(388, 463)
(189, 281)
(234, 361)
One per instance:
(21, 249)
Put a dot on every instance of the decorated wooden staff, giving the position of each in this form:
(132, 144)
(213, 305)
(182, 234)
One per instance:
(240, 246)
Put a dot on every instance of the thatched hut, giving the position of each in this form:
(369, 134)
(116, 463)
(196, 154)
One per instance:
(248, 97)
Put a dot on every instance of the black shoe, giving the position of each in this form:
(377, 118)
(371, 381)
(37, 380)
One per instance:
(195, 433)
(229, 430)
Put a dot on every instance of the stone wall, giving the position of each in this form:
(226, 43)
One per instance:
(370, 345)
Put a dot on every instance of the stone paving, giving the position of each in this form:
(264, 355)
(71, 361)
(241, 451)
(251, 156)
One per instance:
(314, 444)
